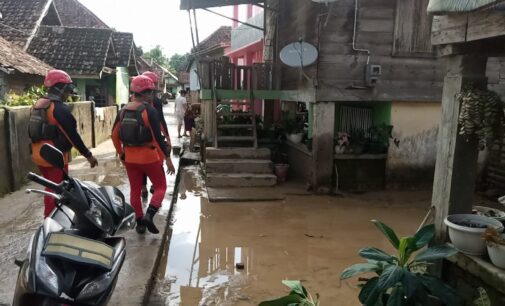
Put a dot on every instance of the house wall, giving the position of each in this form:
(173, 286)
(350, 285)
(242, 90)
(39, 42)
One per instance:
(2, 85)
(340, 71)
(122, 85)
(19, 83)
(104, 120)
(415, 126)
(5, 168)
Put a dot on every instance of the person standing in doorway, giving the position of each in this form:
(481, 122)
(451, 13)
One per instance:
(52, 122)
(158, 105)
(140, 144)
(180, 110)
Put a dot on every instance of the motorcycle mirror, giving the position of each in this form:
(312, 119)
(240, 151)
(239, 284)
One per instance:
(53, 156)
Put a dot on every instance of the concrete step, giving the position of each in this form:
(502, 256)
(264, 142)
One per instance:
(235, 138)
(240, 180)
(258, 166)
(235, 126)
(237, 153)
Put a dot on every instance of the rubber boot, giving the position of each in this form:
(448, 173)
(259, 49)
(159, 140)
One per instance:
(148, 220)
(141, 227)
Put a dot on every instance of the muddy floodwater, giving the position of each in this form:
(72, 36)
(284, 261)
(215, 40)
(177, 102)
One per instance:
(308, 238)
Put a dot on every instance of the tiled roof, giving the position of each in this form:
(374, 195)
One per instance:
(220, 37)
(19, 19)
(73, 14)
(79, 51)
(123, 45)
(12, 57)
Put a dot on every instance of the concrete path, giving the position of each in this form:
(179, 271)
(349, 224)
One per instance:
(21, 214)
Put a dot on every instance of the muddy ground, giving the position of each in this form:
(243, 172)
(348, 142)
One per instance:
(309, 238)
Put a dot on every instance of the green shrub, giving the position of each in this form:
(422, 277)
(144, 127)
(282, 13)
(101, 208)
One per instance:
(27, 99)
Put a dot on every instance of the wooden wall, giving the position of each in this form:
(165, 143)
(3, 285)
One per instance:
(340, 71)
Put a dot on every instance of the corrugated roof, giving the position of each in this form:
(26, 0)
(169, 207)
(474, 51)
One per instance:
(13, 57)
(195, 4)
(459, 6)
(79, 51)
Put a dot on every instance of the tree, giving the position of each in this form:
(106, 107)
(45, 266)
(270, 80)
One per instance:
(178, 62)
(157, 55)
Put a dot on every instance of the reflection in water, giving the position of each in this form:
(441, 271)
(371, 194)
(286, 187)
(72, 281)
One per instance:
(236, 254)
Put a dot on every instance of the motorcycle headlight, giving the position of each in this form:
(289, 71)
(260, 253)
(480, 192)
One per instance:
(95, 288)
(46, 276)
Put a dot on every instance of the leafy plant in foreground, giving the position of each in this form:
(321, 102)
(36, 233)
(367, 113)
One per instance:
(401, 279)
(299, 296)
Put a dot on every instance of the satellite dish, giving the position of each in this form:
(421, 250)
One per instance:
(299, 54)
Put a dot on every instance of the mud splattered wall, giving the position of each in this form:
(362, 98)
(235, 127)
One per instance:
(412, 161)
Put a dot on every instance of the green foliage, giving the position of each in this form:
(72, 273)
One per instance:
(481, 115)
(27, 99)
(401, 278)
(178, 62)
(298, 296)
(157, 55)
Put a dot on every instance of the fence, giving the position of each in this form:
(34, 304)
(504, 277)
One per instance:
(93, 124)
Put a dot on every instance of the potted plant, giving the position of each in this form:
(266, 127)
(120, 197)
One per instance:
(342, 142)
(379, 138)
(402, 278)
(357, 141)
(465, 231)
(293, 130)
(495, 247)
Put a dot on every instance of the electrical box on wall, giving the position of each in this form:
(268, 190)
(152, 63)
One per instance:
(373, 73)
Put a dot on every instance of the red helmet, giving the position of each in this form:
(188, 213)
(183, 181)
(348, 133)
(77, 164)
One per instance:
(153, 76)
(141, 83)
(54, 77)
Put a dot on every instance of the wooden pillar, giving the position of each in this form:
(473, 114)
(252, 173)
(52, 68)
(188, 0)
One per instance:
(208, 119)
(322, 146)
(456, 166)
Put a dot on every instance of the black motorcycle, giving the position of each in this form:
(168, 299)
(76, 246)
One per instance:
(74, 258)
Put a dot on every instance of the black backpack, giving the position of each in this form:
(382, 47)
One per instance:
(132, 130)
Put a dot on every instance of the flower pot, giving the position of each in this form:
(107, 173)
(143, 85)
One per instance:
(489, 212)
(281, 171)
(496, 254)
(468, 239)
(295, 138)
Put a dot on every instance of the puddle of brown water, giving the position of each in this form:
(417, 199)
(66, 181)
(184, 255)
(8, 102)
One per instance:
(307, 238)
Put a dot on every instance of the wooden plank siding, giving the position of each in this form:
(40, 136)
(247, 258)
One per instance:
(340, 71)
(468, 27)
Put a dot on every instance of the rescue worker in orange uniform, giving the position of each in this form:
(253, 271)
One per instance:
(52, 122)
(138, 141)
(158, 105)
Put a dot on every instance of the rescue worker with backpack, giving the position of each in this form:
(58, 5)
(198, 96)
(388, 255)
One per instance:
(52, 122)
(139, 142)
(158, 105)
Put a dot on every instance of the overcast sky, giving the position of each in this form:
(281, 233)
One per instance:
(156, 22)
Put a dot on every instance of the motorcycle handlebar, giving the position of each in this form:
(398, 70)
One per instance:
(44, 182)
